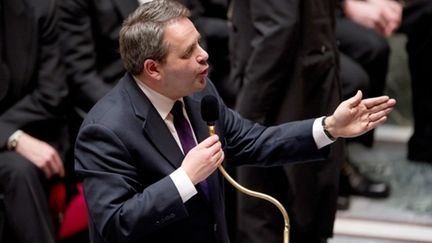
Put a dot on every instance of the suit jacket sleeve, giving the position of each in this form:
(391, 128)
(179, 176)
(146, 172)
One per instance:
(123, 209)
(248, 142)
(251, 143)
(47, 86)
(271, 58)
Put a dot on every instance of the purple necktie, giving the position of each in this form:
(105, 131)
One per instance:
(184, 132)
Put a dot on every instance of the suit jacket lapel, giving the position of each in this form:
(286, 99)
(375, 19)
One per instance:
(153, 125)
(156, 130)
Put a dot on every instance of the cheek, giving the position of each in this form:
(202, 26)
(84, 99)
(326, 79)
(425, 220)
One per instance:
(184, 70)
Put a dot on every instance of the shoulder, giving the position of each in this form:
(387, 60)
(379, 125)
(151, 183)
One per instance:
(116, 108)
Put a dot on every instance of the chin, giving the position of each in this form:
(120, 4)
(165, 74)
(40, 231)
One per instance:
(201, 82)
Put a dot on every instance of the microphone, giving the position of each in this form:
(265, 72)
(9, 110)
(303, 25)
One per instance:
(210, 114)
(210, 109)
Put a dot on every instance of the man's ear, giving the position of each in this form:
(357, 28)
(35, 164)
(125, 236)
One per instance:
(151, 67)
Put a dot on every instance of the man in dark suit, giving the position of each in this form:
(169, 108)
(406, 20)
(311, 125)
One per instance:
(140, 183)
(32, 138)
(285, 59)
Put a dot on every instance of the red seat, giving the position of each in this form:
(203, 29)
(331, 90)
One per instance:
(72, 218)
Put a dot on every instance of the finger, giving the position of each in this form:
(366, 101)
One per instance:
(389, 104)
(390, 29)
(221, 159)
(58, 165)
(371, 102)
(47, 171)
(376, 116)
(54, 162)
(393, 19)
(208, 142)
(380, 24)
(218, 155)
(395, 6)
(218, 159)
(374, 124)
(215, 148)
(51, 167)
(379, 107)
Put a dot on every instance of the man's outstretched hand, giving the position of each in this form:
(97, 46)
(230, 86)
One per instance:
(355, 116)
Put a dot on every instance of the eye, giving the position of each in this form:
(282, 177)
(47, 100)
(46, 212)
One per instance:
(188, 53)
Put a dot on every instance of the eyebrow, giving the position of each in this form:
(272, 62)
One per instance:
(192, 46)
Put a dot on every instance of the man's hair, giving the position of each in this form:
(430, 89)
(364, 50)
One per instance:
(141, 35)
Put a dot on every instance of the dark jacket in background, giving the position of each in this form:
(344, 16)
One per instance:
(285, 59)
(89, 35)
(90, 32)
(33, 86)
(32, 93)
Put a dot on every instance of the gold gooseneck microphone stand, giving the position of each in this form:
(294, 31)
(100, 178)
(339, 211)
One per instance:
(256, 194)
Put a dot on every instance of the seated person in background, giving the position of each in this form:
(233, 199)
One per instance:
(144, 176)
(32, 130)
(414, 19)
(363, 65)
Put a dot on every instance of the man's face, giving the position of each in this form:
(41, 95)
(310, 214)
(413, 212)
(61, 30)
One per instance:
(185, 68)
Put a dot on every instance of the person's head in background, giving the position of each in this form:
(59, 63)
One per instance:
(159, 45)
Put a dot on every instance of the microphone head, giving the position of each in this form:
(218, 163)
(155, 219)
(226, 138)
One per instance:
(209, 109)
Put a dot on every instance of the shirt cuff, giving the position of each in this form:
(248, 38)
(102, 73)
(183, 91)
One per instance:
(183, 184)
(321, 139)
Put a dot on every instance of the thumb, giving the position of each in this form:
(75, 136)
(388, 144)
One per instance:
(355, 100)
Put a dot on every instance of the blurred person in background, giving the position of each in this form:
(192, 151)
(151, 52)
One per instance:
(285, 59)
(33, 138)
(413, 18)
(368, 54)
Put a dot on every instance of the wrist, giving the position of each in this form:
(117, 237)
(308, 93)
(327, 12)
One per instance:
(327, 124)
(13, 140)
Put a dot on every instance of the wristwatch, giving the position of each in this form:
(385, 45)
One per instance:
(325, 129)
(13, 140)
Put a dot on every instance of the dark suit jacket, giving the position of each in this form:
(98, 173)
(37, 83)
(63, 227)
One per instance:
(125, 153)
(89, 33)
(34, 88)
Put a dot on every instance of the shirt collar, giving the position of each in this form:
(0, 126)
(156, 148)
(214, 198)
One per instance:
(162, 103)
